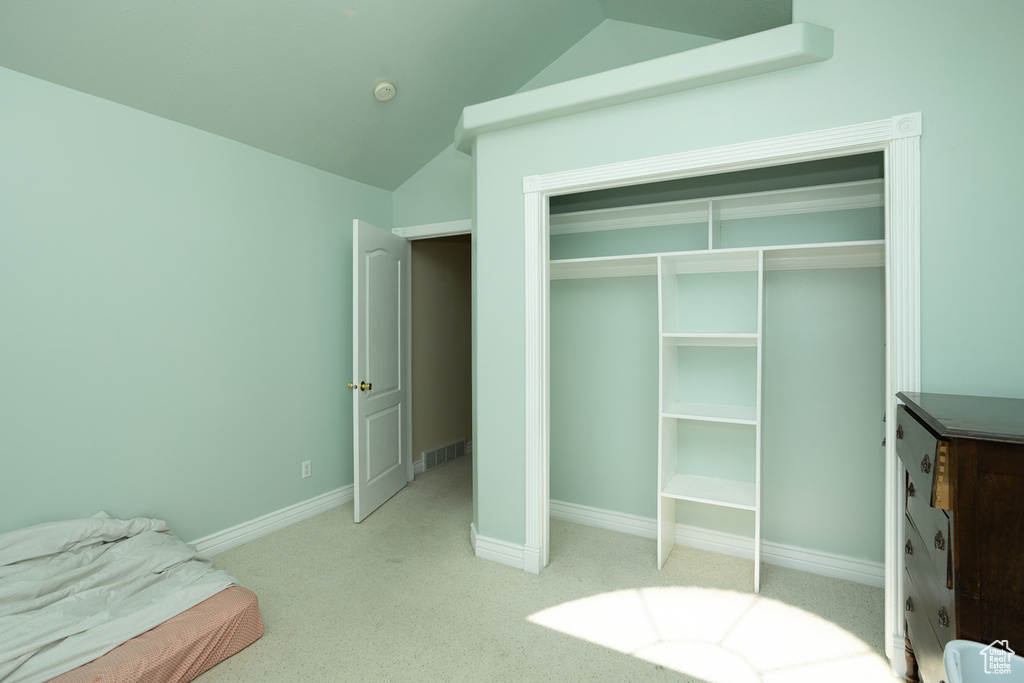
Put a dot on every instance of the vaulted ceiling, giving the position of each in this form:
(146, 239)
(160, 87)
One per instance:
(296, 77)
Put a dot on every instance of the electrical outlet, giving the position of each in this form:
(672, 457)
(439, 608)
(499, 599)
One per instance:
(307, 469)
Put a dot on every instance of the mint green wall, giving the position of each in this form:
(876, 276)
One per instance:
(440, 191)
(613, 44)
(604, 415)
(824, 396)
(889, 59)
(175, 313)
(835, 226)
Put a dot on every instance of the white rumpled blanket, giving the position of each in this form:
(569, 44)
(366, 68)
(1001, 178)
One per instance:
(72, 591)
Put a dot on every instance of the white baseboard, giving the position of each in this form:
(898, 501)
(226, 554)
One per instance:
(604, 519)
(793, 557)
(218, 542)
(418, 467)
(496, 550)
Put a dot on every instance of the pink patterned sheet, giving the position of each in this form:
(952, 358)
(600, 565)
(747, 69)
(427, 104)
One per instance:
(182, 647)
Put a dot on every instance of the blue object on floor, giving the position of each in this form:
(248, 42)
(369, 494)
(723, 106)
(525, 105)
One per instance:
(969, 662)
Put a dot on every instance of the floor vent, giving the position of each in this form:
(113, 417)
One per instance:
(446, 453)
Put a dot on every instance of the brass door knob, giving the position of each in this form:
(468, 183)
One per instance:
(351, 386)
(365, 386)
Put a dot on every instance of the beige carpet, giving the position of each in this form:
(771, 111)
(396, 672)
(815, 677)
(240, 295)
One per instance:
(401, 597)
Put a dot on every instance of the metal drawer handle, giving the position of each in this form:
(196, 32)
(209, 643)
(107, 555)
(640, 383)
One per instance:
(943, 618)
(910, 548)
(940, 541)
(926, 465)
(910, 604)
(910, 490)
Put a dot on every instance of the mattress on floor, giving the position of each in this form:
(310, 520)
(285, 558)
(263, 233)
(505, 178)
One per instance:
(182, 647)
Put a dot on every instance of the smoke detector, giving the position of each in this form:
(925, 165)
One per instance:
(384, 91)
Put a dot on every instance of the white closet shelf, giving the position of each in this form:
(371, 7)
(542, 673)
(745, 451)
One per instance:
(814, 199)
(684, 212)
(711, 413)
(863, 254)
(858, 254)
(710, 490)
(711, 261)
(710, 339)
(603, 266)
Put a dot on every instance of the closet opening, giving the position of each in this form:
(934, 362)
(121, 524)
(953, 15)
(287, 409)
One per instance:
(717, 362)
(898, 140)
(441, 350)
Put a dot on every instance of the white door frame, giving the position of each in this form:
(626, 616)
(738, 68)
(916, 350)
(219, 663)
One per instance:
(427, 231)
(463, 226)
(898, 138)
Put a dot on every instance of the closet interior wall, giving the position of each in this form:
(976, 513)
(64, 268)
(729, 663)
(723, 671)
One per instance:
(718, 360)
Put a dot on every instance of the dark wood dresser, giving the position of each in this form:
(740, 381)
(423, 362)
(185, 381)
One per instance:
(963, 458)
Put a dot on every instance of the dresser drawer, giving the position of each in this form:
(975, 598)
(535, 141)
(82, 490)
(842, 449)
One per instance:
(935, 540)
(934, 599)
(927, 648)
(919, 562)
(916, 447)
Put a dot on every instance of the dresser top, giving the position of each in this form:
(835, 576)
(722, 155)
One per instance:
(972, 417)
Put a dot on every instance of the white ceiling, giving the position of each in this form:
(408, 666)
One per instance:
(295, 77)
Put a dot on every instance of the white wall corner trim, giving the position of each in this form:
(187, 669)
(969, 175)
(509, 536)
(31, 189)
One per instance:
(779, 554)
(218, 542)
(496, 550)
(538, 381)
(463, 226)
(898, 137)
(759, 53)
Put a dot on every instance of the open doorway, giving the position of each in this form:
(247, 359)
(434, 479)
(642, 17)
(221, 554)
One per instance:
(442, 370)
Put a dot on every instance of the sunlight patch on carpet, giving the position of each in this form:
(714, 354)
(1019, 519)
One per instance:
(719, 636)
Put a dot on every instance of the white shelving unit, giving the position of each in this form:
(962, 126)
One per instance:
(711, 327)
(710, 311)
